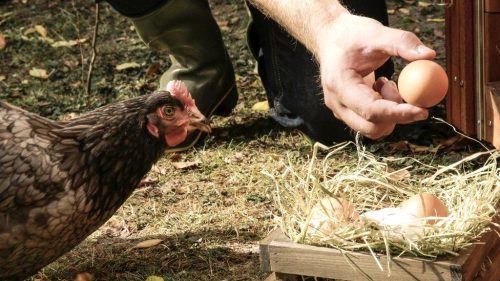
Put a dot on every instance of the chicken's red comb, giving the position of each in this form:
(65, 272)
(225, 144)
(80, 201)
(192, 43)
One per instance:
(179, 90)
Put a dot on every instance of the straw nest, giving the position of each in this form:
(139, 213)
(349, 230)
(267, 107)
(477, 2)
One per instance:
(368, 182)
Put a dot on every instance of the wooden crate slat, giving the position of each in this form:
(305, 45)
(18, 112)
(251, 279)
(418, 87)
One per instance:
(325, 262)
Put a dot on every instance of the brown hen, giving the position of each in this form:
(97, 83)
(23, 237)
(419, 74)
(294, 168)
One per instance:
(60, 181)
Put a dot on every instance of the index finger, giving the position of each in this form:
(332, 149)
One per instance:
(361, 99)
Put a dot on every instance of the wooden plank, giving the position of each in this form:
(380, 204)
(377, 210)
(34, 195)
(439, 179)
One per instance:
(276, 276)
(492, 6)
(467, 67)
(492, 47)
(492, 112)
(492, 265)
(276, 234)
(453, 66)
(330, 263)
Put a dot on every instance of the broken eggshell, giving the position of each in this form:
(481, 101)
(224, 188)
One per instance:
(397, 221)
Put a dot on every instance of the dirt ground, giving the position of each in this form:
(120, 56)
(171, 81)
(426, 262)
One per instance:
(210, 217)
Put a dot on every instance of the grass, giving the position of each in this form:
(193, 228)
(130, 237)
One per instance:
(210, 217)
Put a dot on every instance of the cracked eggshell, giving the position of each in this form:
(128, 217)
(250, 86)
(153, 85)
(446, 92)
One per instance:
(329, 213)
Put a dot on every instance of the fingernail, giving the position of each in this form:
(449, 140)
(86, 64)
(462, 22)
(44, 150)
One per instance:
(420, 117)
(384, 79)
(422, 49)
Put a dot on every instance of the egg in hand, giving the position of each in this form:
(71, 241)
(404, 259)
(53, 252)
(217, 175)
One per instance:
(423, 83)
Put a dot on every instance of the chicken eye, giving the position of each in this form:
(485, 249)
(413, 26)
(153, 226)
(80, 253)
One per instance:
(169, 111)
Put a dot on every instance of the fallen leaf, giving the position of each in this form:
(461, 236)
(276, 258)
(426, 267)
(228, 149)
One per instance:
(435, 20)
(68, 116)
(69, 64)
(42, 103)
(398, 175)
(185, 165)
(417, 30)
(239, 155)
(64, 43)
(16, 95)
(2, 77)
(148, 244)
(2, 41)
(235, 20)
(154, 278)
(179, 190)
(25, 81)
(438, 33)
(419, 148)
(238, 77)
(404, 11)
(24, 1)
(261, 106)
(29, 31)
(39, 73)
(127, 65)
(400, 146)
(424, 4)
(274, 156)
(390, 12)
(159, 170)
(223, 23)
(152, 69)
(148, 181)
(175, 157)
(84, 276)
(41, 30)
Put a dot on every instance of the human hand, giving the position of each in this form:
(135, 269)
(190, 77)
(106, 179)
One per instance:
(351, 48)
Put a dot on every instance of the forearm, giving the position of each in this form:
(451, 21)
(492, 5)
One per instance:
(303, 19)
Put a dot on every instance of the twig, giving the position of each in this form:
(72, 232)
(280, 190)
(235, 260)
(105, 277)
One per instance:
(94, 49)
(77, 27)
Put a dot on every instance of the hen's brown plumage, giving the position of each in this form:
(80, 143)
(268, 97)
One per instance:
(60, 181)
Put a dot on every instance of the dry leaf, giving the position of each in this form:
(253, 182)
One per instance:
(186, 165)
(2, 41)
(84, 276)
(148, 244)
(435, 20)
(29, 31)
(64, 43)
(127, 65)
(24, 1)
(148, 181)
(68, 116)
(398, 175)
(390, 12)
(261, 106)
(158, 170)
(154, 278)
(41, 30)
(424, 4)
(400, 146)
(152, 69)
(69, 64)
(42, 103)
(175, 157)
(2, 77)
(16, 95)
(438, 33)
(39, 73)
(419, 148)
(223, 23)
(274, 156)
(404, 11)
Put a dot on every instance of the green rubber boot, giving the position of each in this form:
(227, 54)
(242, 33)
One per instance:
(187, 31)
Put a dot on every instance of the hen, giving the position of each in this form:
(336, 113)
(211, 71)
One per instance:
(60, 181)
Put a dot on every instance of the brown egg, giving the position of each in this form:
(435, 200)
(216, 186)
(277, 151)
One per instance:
(423, 83)
(331, 208)
(433, 206)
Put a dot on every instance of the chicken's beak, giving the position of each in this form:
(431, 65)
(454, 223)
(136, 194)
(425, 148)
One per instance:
(200, 122)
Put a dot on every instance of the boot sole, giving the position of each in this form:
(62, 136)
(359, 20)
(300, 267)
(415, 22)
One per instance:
(224, 112)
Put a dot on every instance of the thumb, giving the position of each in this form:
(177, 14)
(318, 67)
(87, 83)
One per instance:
(406, 45)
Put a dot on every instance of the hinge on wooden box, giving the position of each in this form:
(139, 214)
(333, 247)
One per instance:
(443, 3)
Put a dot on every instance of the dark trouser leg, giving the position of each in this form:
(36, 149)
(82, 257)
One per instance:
(290, 75)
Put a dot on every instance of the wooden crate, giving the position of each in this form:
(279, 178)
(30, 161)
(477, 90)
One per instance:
(287, 261)
(473, 63)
